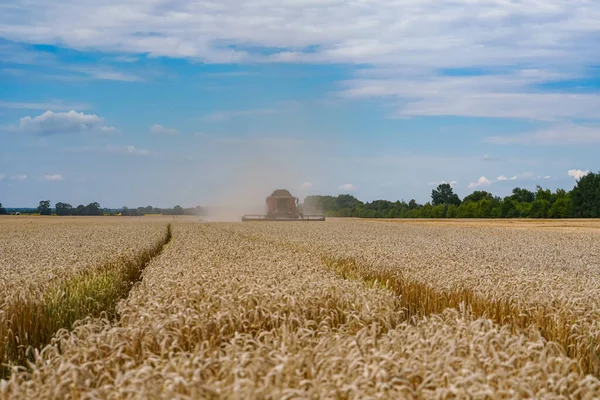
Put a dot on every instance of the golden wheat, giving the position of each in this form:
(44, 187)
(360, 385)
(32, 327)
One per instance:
(246, 311)
(516, 277)
(54, 272)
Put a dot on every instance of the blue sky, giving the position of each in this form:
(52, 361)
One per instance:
(194, 103)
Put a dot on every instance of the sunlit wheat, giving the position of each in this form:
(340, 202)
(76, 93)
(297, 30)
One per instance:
(253, 311)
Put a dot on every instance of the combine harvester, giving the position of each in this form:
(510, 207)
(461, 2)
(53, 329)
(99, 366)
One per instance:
(282, 206)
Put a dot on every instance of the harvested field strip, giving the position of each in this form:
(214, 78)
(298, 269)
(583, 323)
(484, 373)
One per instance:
(419, 299)
(30, 322)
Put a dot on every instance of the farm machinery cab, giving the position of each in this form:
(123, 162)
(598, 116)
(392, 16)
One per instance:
(282, 206)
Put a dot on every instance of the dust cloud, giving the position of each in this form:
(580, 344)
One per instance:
(247, 178)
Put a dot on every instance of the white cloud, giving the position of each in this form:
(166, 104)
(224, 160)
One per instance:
(114, 149)
(51, 123)
(306, 185)
(406, 41)
(226, 115)
(548, 177)
(577, 173)
(561, 135)
(482, 181)
(54, 177)
(502, 178)
(55, 105)
(2, 177)
(498, 95)
(348, 187)
(161, 130)
(433, 33)
(20, 177)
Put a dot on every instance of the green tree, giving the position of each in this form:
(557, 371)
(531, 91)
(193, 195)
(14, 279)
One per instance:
(477, 196)
(542, 194)
(539, 208)
(64, 209)
(412, 204)
(444, 195)
(585, 197)
(94, 209)
(451, 211)
(439, 211)
(44, 208)
(561, 208)
(509, 208)
(2, 210)
(426, 211)
(523, 195)
(347, 201)
(178, 210)
(484, 208)
(467, 210)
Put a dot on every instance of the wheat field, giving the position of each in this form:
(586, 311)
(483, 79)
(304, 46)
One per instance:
(343, 309)
(56, 271)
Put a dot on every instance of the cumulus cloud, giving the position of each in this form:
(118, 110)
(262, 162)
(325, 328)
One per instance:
(504, 178)
(306, 185)
(161, 130)
(54, 123)
(482, 181)
(577, 173)
(348, 187)
(53, 177)
(20, 177)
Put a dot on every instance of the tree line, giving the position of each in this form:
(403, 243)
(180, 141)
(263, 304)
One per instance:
(583, 201)
(94, 209)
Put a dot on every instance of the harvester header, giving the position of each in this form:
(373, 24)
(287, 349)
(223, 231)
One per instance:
(282, 206)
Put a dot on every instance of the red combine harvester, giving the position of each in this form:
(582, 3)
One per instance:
(282, 206)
